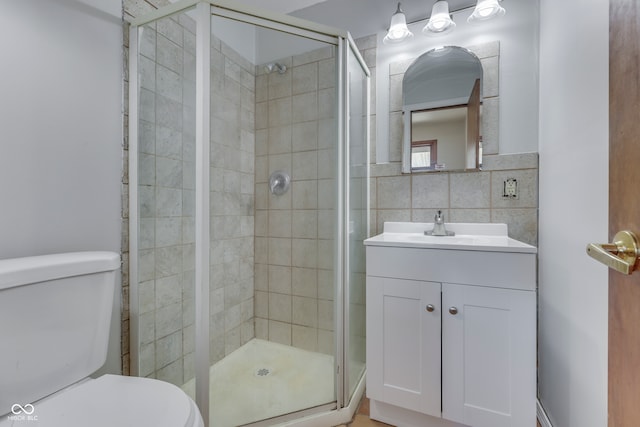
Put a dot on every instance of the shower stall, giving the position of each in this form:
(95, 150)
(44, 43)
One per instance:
(248, 188)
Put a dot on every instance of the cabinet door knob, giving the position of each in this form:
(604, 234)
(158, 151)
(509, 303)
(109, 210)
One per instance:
(430, 308)
(453, 310)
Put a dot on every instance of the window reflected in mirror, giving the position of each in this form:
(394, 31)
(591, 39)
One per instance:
(424, 155)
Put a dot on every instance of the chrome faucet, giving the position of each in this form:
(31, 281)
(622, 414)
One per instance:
(438, 227)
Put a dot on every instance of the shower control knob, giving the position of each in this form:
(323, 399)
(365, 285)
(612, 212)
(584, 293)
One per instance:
(430, 308)
(453, 310)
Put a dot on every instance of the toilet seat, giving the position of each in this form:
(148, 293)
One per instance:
(113, 400)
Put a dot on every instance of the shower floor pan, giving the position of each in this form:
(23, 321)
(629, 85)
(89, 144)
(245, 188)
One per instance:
(263, 379)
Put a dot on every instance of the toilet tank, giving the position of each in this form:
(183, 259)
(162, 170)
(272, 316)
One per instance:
(55, 313)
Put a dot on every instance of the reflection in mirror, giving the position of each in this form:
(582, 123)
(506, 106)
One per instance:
(442, 97)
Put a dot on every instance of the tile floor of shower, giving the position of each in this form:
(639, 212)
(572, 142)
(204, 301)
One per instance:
(263, 379)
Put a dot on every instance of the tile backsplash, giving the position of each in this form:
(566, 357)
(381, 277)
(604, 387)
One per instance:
(462, 196)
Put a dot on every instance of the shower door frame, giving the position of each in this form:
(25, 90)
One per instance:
(204, 9)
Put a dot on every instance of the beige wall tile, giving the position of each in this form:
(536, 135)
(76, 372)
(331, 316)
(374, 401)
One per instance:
(305, 107)
(304, 136)
(470, 190)
(279, 85)
(305, 165)
(326, 342)
(304, 194)
(325, 315)
(305, 311)
(279, 112)
(262, 304)
(305, 224)
(280, 223)
(305, 337)
(279, 251)
(490, 77)
(305, 78)
(280, 279)
(395, 92)
(469, 215)
(327, 73)
(522, 223)
(280, 307)
(510, 161)
(394, 215)
(429, 190)
(305, 253)
(280, 332)
(490, 126)
(279, 138)
(262, 328)
(394, 192)
(304, 282)
(326, 251)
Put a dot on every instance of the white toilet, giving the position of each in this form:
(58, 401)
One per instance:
(55, 312)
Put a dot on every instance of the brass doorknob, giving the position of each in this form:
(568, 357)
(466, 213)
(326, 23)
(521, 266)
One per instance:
(621, 255)
(453, 310)
(430, 308)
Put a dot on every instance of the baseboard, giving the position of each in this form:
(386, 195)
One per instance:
(542, 415)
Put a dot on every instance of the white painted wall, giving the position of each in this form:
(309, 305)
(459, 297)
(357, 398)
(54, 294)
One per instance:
(61, 130)
(573, 211)
(517, 32)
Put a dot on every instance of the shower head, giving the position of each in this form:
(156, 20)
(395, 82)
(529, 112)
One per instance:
(280, 68)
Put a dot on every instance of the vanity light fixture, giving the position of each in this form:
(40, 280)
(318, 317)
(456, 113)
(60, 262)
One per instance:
(398, 30)
(486, 9)
(440, 21)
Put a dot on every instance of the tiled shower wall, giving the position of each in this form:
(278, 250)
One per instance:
(295, 132)
(232, 200)
(166, 199)
(132, 9)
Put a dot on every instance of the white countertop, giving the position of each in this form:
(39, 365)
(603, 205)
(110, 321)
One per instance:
(468, 237)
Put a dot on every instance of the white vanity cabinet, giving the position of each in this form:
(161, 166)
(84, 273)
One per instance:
(451, 331)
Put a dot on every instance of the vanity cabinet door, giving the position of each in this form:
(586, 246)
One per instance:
(488, 355)
(404, 343)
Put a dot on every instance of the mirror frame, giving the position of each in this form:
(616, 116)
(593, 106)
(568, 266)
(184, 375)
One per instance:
(407, 112)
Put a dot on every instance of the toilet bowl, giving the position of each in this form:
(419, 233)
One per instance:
(55, 313)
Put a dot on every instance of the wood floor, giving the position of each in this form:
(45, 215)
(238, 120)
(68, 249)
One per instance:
(362, 417)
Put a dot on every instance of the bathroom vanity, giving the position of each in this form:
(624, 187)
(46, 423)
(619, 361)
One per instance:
(451, 327)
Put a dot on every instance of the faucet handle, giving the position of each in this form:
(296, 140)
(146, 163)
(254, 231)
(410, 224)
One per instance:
(439, 218)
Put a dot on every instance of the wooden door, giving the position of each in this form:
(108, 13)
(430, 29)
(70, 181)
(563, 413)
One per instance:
(473, 127)
(624, 209)
(488, 356)
(403, 343)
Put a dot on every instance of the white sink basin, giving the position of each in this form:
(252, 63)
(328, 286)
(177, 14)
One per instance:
(474, 237)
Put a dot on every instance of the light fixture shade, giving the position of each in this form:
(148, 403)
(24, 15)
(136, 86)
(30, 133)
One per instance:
(440, 21)
(486, 9)
(398, 30)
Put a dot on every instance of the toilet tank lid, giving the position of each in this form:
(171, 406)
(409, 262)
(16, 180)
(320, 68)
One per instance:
(21, 271)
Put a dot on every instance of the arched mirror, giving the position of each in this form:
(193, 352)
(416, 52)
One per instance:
(441, 101)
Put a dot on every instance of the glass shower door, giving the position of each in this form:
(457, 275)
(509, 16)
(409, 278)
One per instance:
(162, 238)
(358, 217)
(271, 306)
